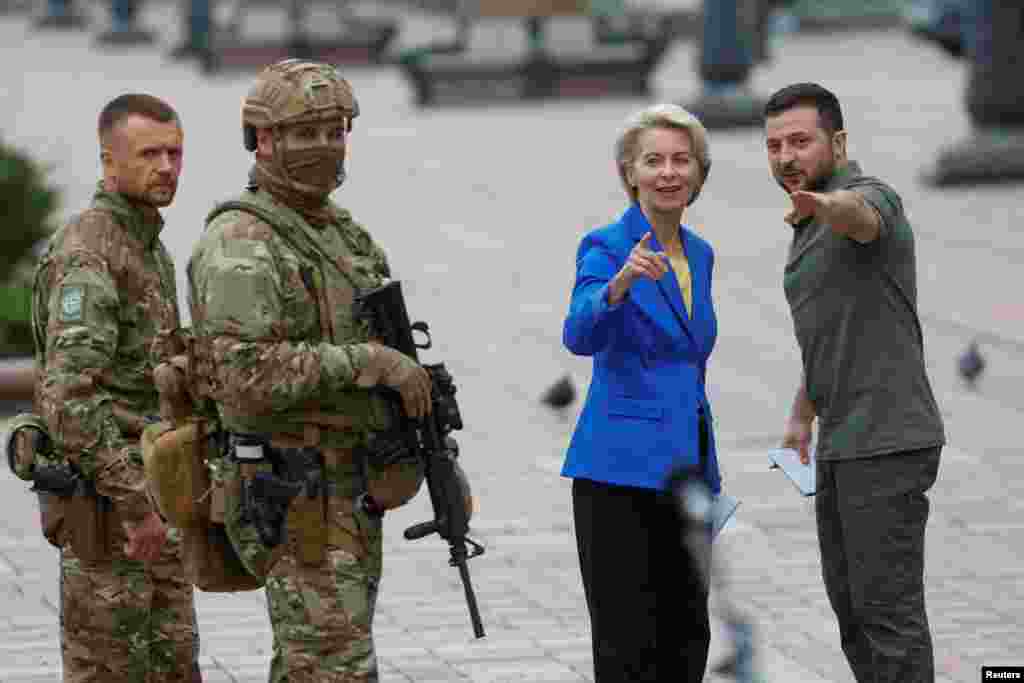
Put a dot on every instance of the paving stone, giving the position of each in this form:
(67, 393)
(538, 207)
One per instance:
(519, 670)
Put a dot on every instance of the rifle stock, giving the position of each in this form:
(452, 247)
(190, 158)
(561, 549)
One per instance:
(384, 308)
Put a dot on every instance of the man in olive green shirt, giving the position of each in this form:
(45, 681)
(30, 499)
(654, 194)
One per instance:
(850, 282)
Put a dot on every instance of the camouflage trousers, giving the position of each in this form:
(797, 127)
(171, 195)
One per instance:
(322, 616)
(123, 621)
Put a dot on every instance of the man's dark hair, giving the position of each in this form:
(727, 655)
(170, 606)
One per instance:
(123, 106)
(830, 115)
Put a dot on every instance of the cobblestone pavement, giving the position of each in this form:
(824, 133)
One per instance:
(480, 210)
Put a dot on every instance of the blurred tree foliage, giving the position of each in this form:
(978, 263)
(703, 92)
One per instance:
(28, 217)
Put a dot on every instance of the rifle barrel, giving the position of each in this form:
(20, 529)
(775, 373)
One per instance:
(467, 584)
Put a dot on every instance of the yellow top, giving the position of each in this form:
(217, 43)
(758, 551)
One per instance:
(681, 266)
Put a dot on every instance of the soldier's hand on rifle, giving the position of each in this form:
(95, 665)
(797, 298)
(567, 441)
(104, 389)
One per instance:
(145, 539)
(396, 370)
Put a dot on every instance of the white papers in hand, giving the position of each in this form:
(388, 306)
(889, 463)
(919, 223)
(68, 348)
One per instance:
(721, 512)
(803, 476)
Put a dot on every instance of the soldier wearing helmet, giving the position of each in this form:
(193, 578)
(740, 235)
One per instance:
(292, 375)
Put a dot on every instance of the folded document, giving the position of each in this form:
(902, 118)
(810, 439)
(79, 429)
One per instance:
(721, 511)
(804, 477)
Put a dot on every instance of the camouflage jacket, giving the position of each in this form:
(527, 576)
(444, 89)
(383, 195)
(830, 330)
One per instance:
(271, 299)
(103, 289)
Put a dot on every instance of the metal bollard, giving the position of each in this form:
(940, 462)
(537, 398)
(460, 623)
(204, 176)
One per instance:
(124, 27)
(995, 91)
(730, 45)
(727, 43)
(994, 43)
(61, 15)
(198, 27)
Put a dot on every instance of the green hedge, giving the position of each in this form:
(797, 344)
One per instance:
(29, 205)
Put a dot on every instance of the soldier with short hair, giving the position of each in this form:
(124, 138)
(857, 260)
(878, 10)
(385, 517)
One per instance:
(104, 289)
(290, 369)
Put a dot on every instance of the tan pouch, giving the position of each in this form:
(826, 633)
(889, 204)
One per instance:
(307, 529)
(89, 518)
(175, 465)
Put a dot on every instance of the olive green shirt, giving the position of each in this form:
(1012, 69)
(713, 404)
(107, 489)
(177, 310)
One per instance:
(854, 310)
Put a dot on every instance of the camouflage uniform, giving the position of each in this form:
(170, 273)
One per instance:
(103, 289)
(271, 288)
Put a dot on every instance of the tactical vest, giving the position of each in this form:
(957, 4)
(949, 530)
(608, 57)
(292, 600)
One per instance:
(322, 271)
(322, 280)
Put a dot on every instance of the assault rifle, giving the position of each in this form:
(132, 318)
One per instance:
(384, 309)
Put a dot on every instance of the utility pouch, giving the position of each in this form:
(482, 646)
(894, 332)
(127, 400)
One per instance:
(175, 464)
(176, 467)
(89, 530)
(307, 528)
(301, 471)
(310, 507)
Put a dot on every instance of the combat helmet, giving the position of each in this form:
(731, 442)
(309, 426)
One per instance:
(296, 91)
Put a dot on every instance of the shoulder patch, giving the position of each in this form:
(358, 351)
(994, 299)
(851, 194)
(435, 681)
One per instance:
(72, 303)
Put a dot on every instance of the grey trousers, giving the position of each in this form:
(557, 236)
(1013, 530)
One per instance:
(871, 515)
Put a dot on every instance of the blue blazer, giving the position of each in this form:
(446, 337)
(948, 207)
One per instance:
(640, 418)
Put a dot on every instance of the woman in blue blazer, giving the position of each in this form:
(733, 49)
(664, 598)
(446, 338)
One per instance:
(641, 307)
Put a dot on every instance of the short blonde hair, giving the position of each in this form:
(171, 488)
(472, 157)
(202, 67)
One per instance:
(661, 116)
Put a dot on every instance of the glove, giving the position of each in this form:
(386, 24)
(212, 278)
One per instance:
(394, 369)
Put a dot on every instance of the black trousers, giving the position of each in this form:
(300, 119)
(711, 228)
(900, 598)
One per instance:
(648, 603)
(871, 515)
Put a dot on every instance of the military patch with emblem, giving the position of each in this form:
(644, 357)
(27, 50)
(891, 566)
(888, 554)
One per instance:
(72, 303)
